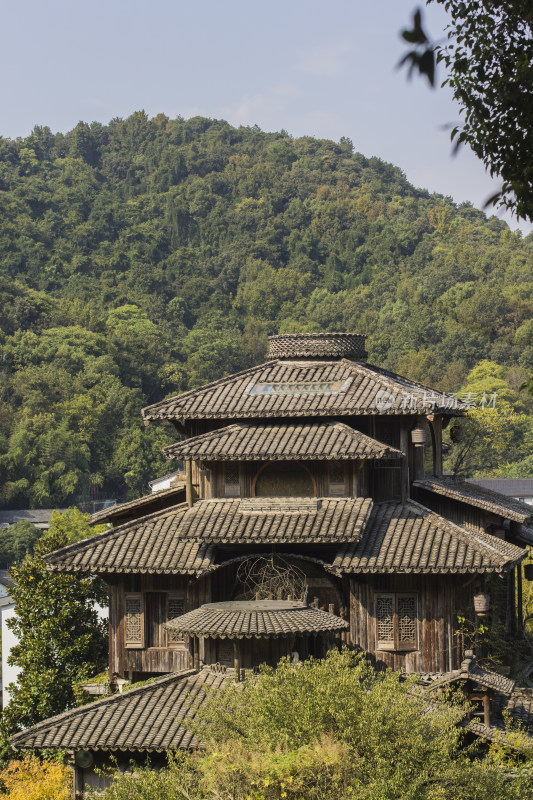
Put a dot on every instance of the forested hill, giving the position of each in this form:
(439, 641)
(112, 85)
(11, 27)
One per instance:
(144, 257)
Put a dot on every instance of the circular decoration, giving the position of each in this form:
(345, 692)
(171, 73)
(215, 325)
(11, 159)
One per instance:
(84, 759)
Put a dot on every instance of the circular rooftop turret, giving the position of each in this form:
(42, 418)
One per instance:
(245, 619)
(318, 345)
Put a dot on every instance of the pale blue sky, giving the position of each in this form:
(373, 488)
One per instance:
(313, 68)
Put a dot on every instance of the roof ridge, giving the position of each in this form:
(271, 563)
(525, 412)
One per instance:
(72, 712)
(144, 498)
(481, 491)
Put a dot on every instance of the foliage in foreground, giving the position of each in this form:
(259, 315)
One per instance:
(61, 638)
(326, 730)
(33, 779)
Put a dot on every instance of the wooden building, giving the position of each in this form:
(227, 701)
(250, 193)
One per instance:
(334, 468)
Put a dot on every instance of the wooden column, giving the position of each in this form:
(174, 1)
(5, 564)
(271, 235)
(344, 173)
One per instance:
(437, 455)
(237, 659)
(486, 710)
(188, 482)
(196, 652)
(519, 598)
(512, 601)
(404, 447)
(78, 784)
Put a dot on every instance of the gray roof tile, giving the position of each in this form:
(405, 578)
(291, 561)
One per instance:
(311, 441)
(410, 538)
(302, 389)
(178, 540)
(145, 719)
(257, 619)
(480, 497)
(175, 494)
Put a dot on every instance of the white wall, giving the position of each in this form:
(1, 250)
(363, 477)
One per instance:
(9, 674)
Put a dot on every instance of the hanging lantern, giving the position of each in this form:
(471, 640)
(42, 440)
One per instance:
(481, 603)
(418, 437)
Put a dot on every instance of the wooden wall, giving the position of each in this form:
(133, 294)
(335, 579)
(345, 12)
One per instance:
(439, 598)
(136, 662)
(477, 519)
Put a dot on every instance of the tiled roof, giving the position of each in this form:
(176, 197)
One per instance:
(511, 703)
(37, 516)
(410, 538)
(166, 497)
(303, 389)
(260, 618)
(145, 719)
(149, 545)
(477, 496)
(310, 441)
(176, 540)
(471, 670)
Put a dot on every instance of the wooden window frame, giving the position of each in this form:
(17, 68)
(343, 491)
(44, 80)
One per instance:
(395, 644)
(134, 644)
(232, 489)
(178, 643)
(337, 488)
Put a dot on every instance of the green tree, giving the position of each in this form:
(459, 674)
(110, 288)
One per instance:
(488, 58)
(17, 540)
(61, 638)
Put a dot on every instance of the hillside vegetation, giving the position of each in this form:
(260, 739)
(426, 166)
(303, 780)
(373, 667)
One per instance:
(149, 256)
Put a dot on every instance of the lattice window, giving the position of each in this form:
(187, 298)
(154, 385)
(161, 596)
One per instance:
(175, 608)
(231, 480)
(385, 617)
(385, 621)
(133, 620)
(406, 619)
(396, 621)
(336, 478)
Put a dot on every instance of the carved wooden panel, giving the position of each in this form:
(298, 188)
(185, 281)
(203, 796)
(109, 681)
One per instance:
(396, 621)
(133, 620)
(407, 619)
(175, 608)
(232, 486)
(385, 621)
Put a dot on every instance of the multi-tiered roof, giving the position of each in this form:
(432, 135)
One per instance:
(316, 403)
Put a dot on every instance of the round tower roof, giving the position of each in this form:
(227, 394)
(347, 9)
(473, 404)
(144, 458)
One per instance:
(318, 345)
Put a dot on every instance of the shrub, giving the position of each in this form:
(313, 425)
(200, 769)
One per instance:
(32, 779)
(332, 729)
